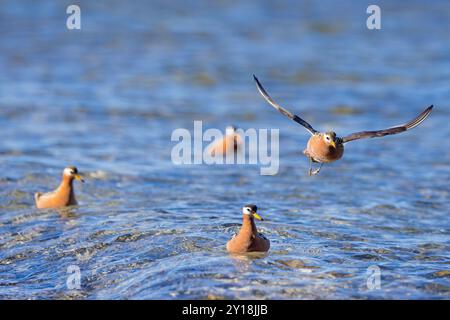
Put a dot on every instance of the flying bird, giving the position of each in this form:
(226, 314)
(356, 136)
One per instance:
(326, 147)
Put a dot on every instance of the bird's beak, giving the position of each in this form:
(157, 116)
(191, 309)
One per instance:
(78, 177)
(257, 216)
(333, 144)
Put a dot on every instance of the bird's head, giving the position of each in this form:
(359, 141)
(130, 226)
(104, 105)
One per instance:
(330, 138)
(230, 130)
(250, 209)
(72, 173)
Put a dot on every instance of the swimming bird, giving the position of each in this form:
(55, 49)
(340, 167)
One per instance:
(230, 143)
(248, 239)
(326, 147)
(64, 195)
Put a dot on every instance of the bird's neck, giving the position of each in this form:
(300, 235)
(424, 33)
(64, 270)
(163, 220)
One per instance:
(248, 225)
(66, 184)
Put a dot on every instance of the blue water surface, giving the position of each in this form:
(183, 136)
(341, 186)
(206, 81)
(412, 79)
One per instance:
(107, 98)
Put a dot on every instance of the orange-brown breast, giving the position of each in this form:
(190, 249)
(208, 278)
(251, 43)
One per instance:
(248, 239)
(320, 151)
(61, 197)
(229, 143)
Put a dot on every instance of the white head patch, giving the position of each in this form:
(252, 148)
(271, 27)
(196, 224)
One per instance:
(247, 210)
(68, 171)
(230, 130)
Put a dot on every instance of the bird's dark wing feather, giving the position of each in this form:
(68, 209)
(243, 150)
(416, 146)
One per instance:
(281, 109)
(262, 236)
(393, 130)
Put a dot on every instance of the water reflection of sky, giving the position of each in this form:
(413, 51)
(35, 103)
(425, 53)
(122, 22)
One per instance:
(107, 98)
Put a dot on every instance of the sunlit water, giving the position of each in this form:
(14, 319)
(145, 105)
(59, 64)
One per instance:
(107, 98)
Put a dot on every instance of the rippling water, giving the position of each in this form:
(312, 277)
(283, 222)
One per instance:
(107, 98)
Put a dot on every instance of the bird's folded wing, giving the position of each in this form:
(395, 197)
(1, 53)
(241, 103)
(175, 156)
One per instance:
(393, 130)
(281, 109)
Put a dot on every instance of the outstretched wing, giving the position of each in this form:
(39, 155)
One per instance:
(393, 130)
(281, 109)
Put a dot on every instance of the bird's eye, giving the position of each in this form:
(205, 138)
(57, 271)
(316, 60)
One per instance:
(72, 172)
(328, 138)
